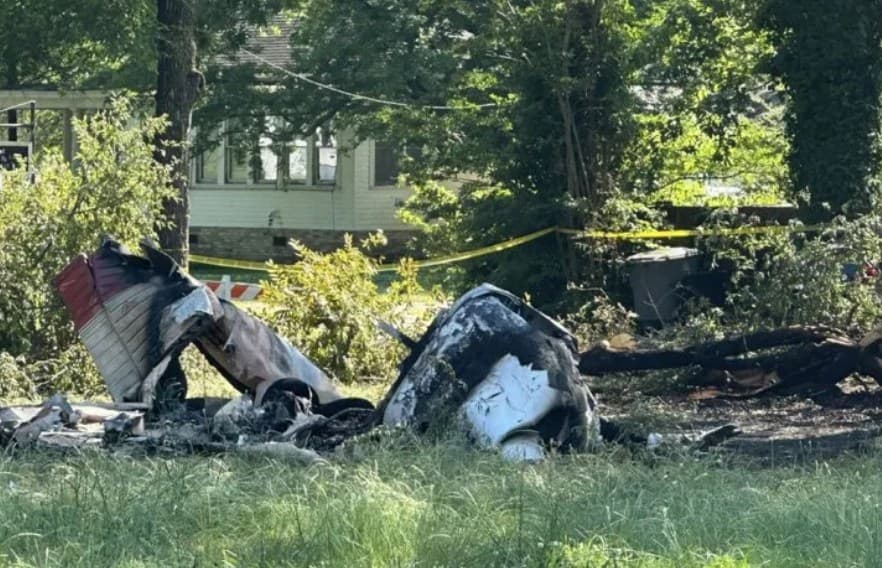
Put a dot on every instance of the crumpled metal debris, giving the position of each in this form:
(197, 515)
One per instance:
(123, 426)
(136, 315)
(55, 414)
(59, 424)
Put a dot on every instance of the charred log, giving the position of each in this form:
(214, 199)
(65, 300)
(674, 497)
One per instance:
(793, 359)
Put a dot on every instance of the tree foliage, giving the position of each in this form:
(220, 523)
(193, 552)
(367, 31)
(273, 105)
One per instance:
(533, 104)
(551, 108)
(74, 44)
(574, 112)
(830, 58)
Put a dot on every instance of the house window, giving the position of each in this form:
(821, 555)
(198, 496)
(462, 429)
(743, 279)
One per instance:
(206, 166)
(386, 167)
(206, 163)
(297, 162)
(326, 157)
(277, 157)
(282, 155)
(387, 161)
(236, 159)
(269, 161)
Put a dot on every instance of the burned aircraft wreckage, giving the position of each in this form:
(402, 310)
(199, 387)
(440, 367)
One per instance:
(506, 373)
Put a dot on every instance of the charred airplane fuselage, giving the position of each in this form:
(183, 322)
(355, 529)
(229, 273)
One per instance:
(503, 370)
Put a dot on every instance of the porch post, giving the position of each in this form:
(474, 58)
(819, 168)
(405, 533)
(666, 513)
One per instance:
(67, 142)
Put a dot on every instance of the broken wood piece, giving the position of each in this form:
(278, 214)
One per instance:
(117, 406)
(67, 439)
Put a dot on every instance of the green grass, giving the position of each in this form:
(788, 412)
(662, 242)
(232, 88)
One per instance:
(402, 503)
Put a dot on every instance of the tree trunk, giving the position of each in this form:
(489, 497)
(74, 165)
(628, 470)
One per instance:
(178, 84)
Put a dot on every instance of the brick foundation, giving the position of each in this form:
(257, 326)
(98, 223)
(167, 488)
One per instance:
(263, 244)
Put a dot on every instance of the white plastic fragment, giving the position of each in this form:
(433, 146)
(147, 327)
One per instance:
(524, 447)
(654, 440)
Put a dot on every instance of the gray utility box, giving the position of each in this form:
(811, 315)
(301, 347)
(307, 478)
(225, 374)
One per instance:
(654, 279)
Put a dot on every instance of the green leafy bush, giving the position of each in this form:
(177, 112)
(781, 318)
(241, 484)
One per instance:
(599, 318)
(71, 371)
(50, 215)
(781, 279)
(16, 382)
(328, 305)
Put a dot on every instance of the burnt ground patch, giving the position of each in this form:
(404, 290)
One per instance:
(776, 430)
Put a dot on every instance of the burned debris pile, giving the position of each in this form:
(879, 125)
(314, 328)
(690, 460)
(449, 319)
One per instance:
(194, 428)
(135, 315)
(502, 372)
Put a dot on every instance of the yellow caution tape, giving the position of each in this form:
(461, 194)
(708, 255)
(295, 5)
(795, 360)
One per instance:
(228, 262)
(518, 241)
(457, 257)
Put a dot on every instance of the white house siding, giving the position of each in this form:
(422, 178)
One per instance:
(254, 208)
(353, 205)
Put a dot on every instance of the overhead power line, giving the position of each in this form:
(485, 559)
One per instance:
(357, 96)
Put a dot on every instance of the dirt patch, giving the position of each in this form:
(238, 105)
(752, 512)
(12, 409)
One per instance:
(776, 430)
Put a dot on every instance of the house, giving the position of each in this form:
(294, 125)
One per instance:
(315, 190)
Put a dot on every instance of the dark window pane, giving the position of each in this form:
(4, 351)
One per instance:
(237, 166)
(206, 166)
(386, 168)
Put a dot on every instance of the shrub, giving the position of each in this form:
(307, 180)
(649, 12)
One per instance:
(599, 318)
(71, 371)
(782, 279)
(115, 188)
(328, 304)
(479, 215)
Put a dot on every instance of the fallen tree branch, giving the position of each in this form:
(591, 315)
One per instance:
(801, 357)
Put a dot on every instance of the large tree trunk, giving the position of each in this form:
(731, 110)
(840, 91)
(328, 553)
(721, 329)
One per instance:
(178, 84)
